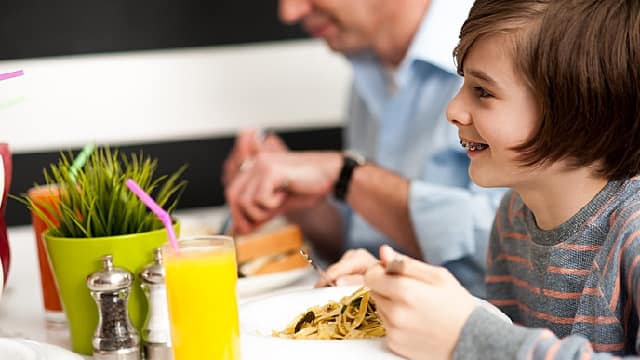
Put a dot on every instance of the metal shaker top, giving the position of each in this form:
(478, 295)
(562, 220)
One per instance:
(154, 273)
(110, 278)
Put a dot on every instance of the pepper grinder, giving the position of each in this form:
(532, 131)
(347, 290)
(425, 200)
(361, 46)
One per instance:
(156, 336)
(115, 338)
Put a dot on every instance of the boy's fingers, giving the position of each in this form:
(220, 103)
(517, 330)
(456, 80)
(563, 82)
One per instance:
(399, 264)
(353, 262)
(350, 280)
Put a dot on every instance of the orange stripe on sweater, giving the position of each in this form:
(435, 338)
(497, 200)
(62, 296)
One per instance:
(592, 291)
(607, 347)
(601, 210)
(626, 223)
(556, 319)
(566, 271)
(536, 290)
(579, 247)
(510, 279)
(510, 211)
(514, 258)
(503, 302)
(631, 271)
(616, 288)
(516, 236)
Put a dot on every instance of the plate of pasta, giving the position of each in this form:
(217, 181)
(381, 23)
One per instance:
(313, 324)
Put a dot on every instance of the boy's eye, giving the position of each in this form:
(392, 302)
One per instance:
(481, 92)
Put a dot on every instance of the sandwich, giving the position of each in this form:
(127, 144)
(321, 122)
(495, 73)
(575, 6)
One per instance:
(270, 251)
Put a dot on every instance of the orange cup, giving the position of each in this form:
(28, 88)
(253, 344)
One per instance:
(45, 198)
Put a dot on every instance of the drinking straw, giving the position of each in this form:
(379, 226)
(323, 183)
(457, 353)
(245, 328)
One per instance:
(10, 75)
(9, 103)
(80, 160)
(161, 213)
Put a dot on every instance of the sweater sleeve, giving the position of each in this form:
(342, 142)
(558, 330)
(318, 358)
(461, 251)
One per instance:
(486, 336)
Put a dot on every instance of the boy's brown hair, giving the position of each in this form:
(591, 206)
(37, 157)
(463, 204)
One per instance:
(581, 58)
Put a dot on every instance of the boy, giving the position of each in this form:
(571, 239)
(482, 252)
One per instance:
(549, 107)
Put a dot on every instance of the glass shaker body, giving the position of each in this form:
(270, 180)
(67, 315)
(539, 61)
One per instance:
(156, 334)
(115, 337)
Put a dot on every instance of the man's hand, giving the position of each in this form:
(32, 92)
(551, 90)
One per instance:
(276, 182)
(248, 144)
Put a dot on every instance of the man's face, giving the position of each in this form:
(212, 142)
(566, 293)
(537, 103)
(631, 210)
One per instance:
(346, 25)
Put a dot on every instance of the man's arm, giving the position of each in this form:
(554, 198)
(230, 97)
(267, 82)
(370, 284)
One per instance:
(323, 226)
(381, 197)
(302, 182)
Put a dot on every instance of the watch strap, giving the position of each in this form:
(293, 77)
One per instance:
(349, 163)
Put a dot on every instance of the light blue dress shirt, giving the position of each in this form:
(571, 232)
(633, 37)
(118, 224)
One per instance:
(406, 130)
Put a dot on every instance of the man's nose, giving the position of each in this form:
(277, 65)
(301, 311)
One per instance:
(292, 11)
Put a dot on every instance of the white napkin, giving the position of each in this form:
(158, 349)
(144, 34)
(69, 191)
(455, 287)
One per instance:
(22, 349)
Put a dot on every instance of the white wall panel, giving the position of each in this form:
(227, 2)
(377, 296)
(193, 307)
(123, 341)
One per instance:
(153, 96)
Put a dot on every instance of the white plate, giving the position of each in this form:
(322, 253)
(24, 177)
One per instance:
(254, 285)
(21, 349)
(259, 317)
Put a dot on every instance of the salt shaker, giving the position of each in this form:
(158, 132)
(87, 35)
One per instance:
(115, 338)
(156, 336)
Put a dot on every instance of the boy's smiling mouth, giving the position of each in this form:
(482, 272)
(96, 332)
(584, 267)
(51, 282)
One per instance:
(473, 146)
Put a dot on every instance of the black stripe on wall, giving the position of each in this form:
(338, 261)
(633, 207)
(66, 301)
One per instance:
(36, 28)
(204, 158)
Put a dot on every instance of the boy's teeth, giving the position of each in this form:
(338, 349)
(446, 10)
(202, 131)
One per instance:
(473, 146)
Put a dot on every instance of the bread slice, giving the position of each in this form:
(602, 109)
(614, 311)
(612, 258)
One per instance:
(271, 251)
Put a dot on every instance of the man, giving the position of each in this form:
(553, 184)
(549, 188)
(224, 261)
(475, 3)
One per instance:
(413, 191)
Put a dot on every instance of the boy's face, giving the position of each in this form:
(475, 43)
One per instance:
(494, 111)
(346, 25)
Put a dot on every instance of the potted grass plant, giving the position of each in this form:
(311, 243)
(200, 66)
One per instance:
(95, 215)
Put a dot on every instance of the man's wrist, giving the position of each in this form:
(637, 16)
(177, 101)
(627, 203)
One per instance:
(350, 161)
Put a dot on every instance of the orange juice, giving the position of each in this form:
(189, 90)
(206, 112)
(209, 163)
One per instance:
(45, 198)
(201, 294)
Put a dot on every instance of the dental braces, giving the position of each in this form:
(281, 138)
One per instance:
(473, 146)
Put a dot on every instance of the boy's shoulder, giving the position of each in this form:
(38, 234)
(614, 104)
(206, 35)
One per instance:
(511, 203)
(625, 215)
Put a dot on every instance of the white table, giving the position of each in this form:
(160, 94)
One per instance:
(21, 308)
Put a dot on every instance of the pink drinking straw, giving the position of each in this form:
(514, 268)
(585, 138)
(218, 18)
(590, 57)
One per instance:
(10, 75)
(161, 213)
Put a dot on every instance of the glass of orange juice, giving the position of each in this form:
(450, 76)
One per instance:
(201, 280)
(45, 198)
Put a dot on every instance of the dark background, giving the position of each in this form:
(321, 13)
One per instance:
(203, 157)
(39, 28)
(32, 28)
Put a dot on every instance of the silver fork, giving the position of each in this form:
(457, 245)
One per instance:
(317, 268)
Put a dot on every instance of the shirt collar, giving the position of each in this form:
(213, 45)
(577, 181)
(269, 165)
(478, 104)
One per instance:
(436, 37)
(433, 43)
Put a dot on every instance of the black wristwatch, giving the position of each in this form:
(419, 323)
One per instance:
(350, 161)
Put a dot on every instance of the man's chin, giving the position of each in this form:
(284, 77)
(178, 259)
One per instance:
(340, 47)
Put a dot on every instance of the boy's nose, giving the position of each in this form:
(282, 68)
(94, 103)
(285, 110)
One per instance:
(456, 113)
(292, 11)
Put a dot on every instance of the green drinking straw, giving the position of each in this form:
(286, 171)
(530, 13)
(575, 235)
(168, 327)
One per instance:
(9, 103)
(80, 160)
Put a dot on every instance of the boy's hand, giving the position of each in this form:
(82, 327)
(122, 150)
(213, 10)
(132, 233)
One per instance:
(350, 269)
(423, 307)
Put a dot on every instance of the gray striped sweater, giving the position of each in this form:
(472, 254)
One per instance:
(573, 292)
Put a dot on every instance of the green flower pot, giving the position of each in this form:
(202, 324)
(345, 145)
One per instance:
(73, 259)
